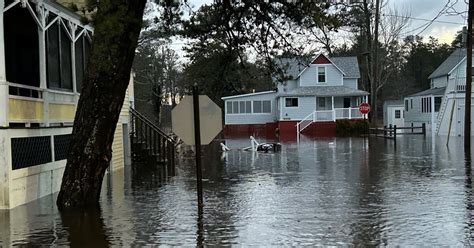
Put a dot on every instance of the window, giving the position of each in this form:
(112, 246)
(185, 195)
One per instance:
(291, 102)
(397, 114)
(242, 107)
(82, 48)
(321, 74)
(248, 107)
(235, 107)
(411, 103)
(262, 107)
(426, 104)
(245, 107)
(21, 48)
(229, 108)
(257, 107)
(267, 108)
(59, 64)
(438, 100)
(321, 102)
(406, 105)
(347, 102)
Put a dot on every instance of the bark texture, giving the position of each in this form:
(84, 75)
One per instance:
(117, 26)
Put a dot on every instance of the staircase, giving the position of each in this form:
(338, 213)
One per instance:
(150, 144)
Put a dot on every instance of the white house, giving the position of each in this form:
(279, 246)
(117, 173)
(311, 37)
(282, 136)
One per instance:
(321, 91)
(43, 53)
(443, 103)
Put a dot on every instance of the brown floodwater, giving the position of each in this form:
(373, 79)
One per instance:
(342, 191)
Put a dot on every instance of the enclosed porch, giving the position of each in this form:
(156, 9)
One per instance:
(43, 54)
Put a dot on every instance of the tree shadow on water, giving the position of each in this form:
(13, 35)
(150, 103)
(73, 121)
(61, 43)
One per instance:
(85, 228)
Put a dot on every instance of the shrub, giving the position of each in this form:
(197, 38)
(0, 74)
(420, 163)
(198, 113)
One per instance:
(351, 127)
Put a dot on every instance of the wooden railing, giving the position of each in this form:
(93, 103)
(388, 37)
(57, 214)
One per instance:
(391, 131)
(151, 144)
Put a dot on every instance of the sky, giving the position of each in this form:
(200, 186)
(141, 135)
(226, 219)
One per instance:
(429, 9)
(444, 27)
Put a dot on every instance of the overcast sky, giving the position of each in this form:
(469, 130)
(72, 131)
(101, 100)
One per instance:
(417, 9)
(429, 9)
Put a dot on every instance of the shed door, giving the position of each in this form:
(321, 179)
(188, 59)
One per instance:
(397, 117)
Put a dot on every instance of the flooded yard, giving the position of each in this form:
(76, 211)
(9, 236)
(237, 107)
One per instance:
(342, 191)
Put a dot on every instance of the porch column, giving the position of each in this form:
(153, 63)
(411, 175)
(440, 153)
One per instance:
(333, 110)
(3, 76)
(4, 138)
(42, 63)
(433, 122)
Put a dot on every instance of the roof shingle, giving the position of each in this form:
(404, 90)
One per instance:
(324, 91)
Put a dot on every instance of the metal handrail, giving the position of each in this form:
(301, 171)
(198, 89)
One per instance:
(298, 125)
(152, 125)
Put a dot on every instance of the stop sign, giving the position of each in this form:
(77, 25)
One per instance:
(364, 108)
(182, 118)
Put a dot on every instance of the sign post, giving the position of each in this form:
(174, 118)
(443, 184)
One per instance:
(197, 141)
(197, 120)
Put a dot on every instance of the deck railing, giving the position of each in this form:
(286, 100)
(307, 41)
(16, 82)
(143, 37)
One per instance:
(328, 115)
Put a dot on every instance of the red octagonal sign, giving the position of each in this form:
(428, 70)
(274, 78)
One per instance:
(364, 108)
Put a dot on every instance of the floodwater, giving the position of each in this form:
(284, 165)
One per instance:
(342, 191)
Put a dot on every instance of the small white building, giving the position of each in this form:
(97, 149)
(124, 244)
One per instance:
(393, 113)
(323, 90)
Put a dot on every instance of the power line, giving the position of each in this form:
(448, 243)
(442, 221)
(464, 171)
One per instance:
(423, 19)
(436, 17)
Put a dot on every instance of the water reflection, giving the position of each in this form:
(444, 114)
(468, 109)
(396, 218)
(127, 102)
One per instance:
(85, 229)
(341, 191)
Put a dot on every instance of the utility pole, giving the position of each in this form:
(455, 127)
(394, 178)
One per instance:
(467, 100)
(375, 60)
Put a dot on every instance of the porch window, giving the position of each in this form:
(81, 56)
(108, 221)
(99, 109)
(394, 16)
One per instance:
(235, 107)
(267, 108)
(438, 100)
(262, 107)
(229, 107)
(321, 74)
(291, 102)
(21, 49)
(82, 48)
(59, 64)
(244, 107)
(248, 107)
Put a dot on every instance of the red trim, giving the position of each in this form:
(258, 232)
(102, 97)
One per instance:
(321, 59)
(287, 130)
(321, 129)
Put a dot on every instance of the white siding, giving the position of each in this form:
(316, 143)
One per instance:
(414, 114)
(309, 76)
(350, 82)
(260, 118)
(306, 105)
(439, 82)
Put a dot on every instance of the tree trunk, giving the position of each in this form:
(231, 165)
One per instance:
(117, 27)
